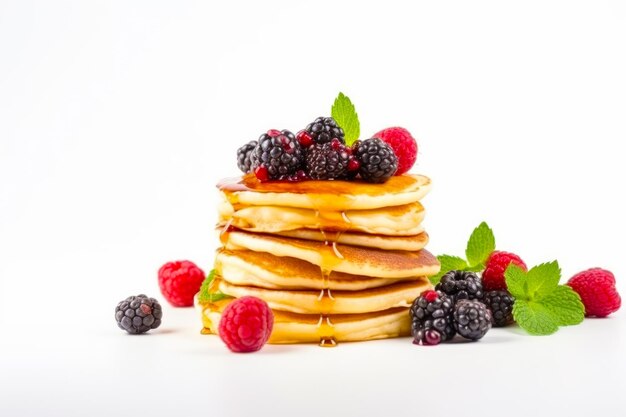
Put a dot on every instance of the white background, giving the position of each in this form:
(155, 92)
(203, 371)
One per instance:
(117, 118)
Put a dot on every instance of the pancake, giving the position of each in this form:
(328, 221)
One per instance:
(407, 243)
(309, 328)
(261, 269)
(399, 294)
(353, 260)
(328, 195)
(403, 220)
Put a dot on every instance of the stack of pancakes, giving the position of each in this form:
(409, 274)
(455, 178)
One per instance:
(335, 260)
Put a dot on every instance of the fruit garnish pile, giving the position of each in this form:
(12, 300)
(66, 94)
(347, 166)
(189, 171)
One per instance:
(328, 149)
(468, 302)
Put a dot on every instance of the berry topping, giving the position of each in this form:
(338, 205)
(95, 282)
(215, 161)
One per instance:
(261, 173)
(500, 303)
(179, 282)
(472, 319)
(377, 159)
(498, 261)
(245, 162)
(327, 161)
(305, 138)
(138, 314)
(461, 285)
(353, 164)
(246, 324)
(596, 287)
(403, 144)
(325, 129)
(280, 154)
(431, 318)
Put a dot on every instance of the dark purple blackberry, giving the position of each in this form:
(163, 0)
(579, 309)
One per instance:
(431, 318)
(472, 319)
(279, 152)
(378, 162)
(245, 154)
(325, 129)
(500, 303)
(138, 314)
(327, 161)
(461, 285)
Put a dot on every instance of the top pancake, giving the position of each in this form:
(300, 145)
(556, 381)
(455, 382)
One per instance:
(325, 195)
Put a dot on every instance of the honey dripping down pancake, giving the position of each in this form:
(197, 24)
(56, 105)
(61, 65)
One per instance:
(314, 214)
(327, 195)
(401, 220)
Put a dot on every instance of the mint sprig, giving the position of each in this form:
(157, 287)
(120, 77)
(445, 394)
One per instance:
(345, 115)
(541, 304)
(480, 245)
(205, 296)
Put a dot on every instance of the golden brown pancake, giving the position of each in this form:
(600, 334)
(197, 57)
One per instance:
(399, 294)
(326, 195)
(404, 220)
(261, 269)
(308, 328)
(353, 260)
(405, 243)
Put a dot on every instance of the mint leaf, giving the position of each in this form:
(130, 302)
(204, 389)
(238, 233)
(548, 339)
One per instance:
(534, 318)
(480, 245)
(542, 279)
(344, 113)
(205, 295)
(565, 306)
(448, 263)
(515, 278)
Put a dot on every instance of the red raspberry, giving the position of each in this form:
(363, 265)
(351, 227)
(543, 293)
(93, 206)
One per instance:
(246, 324)
(493, 276)
(403, 145)
(596, 287)
(180, 281)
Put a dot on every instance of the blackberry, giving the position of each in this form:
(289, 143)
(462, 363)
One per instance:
(461, 285)
(279, 152)
(138, 314)
(431, 318)
(245, 154)
(327, 161)
(378, 162)
(325, 129)
(472, 319)
(500, 303)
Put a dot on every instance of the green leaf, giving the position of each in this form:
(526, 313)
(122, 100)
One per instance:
(345, 115)
(534, 318)
(565, 306)
(543, 279)
(205, 296)
(480, 245)
(448, 263)
(516, 282)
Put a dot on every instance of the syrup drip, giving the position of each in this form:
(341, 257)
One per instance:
(332, 225)
(225, 233)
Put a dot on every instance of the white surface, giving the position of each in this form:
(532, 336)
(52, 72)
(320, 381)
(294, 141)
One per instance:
(116, 119)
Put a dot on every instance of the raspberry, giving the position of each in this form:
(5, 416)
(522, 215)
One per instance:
(493, 276)
(180, 281)
(246, 324)
(403, 144)
(138, 314)
(596, 287)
